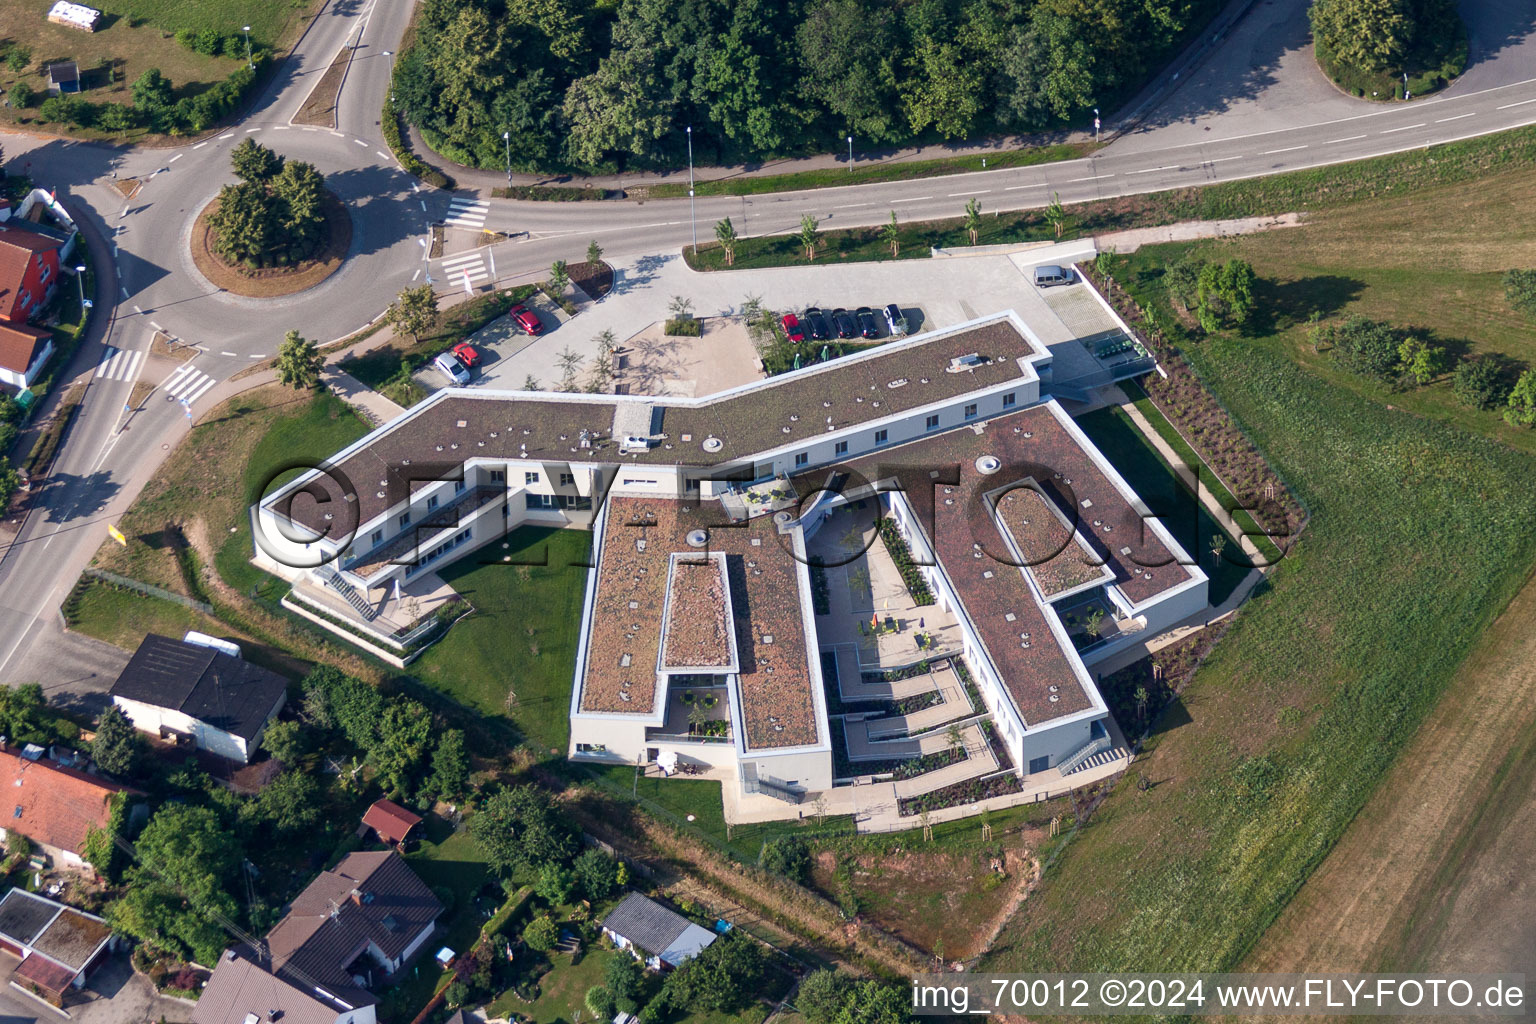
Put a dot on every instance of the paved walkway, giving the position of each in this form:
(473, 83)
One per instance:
(1189, 230)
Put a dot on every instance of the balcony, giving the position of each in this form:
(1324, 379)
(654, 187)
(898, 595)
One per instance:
(695, 714)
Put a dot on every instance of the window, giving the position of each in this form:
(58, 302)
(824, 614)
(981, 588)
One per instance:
(458, 487)
(567, 479)
(575, 502)
(432, 503)
(881, 436)
(405, 520)
(932, 422)
(1009, 400)
(538, 502)
(378, 536)
(801, 458)
(970, 411)
(841, 448)
(499, 476)
(47, 271)
(530, 478)
(1039, 764)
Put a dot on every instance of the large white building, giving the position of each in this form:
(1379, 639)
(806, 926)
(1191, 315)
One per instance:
(700, 583)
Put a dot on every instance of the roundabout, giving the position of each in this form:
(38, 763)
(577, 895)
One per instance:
(272, 282)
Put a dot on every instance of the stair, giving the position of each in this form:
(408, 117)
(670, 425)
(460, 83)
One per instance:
(1078, 758)
(334, 581)
(1094, 760)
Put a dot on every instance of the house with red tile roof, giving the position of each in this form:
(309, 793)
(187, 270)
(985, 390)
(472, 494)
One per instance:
(389, 821)
(700, 645)
(24, 351)
(29, 271)
(52, 805)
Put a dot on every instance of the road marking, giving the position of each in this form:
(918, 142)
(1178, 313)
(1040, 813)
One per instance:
(1091, 177)
(119, 364)
(257, 355)
(136, 309)
(187, 383)
(1458, 117)
(423, 205)
(124, 213)
(1389, 131)
(382, 154)
(1287, 149)
(123, 290)
(472, 264)
(360, 142)
(339, 135)
(1014, 188)
(282, 127)
(157, 327)
(467, 213)
(1149, 170)
(173, 159)
(415, 187)
(918, 199)
(978, 192)
(417, 274)
(1347, 138)
(250, 130)
(226, 352)
(1520, 104)
(1221, 159)
(226, 135)
(849, 206)
(200, 145)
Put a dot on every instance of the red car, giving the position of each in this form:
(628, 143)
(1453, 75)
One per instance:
(792, 329)
(466, 354)
(527, 319)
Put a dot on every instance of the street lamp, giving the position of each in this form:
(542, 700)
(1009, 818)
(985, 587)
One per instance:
(248, 61)
(850, 154)
(507, 138)
(1095, 125)
(691, 207)
(390, 54)
(80, 280)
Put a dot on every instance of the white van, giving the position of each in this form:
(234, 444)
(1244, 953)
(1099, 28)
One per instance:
(1048, 275)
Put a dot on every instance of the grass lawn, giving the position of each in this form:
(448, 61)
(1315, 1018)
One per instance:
(514, 657)
(1419, 537)
(124, 618)
(274, 23)
(1154, 480)
(562, 991)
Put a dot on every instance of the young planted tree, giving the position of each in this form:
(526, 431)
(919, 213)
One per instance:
(570, 363)
(725, 234)
(973, 219)
(299, 362)
(681, 308)
(414, 312)
(891, 235)
(559, 277)
(808, 236)
(594, 251)
(1522, 401)
(1055, 215)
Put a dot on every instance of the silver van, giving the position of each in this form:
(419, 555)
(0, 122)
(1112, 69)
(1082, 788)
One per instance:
(1047, 276)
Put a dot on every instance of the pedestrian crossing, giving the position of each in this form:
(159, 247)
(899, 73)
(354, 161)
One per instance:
(467, 213)
(188, 385)
(119, 364)
(473, 264)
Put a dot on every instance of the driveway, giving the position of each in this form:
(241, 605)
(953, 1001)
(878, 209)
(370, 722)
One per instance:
(121, 997)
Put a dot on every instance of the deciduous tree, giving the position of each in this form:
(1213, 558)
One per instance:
(414, 312)
(299, 362)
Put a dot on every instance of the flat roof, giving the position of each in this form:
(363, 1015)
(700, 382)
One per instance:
(697, 632)
(1048, 544)
(434, 439)
(640, 536)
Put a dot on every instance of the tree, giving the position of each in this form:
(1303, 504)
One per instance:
(1055, 215)
(972, 219)
(18, 59)
(594, 252)
(178, 893)
(244, 225)
(570, 362)
(10, 481)
(1371, 35)
(117, 746)
(720, 979)
(1368, 347)
(821, 995)
(531, 383)
(1181, 280)
(808, 235)
(1225, 293)
(555, 884)
(596, 874)
(787, 856)
(890, 234)
(599, 1002)
(1420, 360)
(152, 91)
(558, 277)
(20, 96)
(846, 52)
(298, 191)
(725, 234)
(253, 162)
(1520, 291)
(871, 1002)
(680, 307)
(405, 737)
(285, 741)
(450, 767)
(24, 715)
(942, 90)
(414, 312)
(541, 934)
(299, 362)
(518, 827)
(1481, 383)
(289, 804)
(624, 978)
(1522, 401)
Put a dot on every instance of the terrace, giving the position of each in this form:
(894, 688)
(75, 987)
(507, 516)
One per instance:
(695, 714)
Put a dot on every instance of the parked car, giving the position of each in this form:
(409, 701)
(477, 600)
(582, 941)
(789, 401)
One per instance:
(894, 320)
(527, 319)
(792, 329)
(1048, 275)
(466, 354)
(449, 366)
(844, 322)
(869, 327)
(816, 320)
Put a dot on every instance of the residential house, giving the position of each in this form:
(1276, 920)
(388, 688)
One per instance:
(29, 272)
(53, 806)
(659, 936)
(244, 990)
(389, 821)
(58, 945)
(176, 688)
(24, 350)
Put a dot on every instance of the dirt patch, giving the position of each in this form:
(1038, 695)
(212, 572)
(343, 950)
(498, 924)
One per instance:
(269, 283)
(167, 347)
(1427, 875)
(594, 278)
(128, 187)
(660, 364)
(320, 108)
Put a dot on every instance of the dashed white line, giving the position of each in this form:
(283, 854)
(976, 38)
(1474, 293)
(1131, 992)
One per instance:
(417, 274)
(136, 309)
(257, 355)
(1015, 188)
(250, 130)
(157, 327)
(1149, 170)
(339, 135)
(281, 127)
(124, 213)
(226, 135)
(978, 192)
(123, 290)
(1347, 138)
(1458, 117)
(917, 199)
(360, 142)
(1287, 149)
(1389, 131)
(1519, 104)
(849, 206)
(1091, 177)
(200, 145)
(226, 352)
(173, 159)
(382, 154)
(1221, 159)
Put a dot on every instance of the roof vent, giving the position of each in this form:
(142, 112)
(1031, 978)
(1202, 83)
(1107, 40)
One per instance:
(1054, 687)
(712, 444)
(1053, 698)
(988, 464)
(899, 382)
(697, 538)
(785, 429)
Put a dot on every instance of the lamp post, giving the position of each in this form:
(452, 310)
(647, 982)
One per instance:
(692, 219)
(850, 154)
(507, 138)
(391, 54)
(85, 303)
(1095, 125)
(248, 61)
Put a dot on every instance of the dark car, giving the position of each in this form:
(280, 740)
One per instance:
(869, 327)
(845, 323)
(816, 320)
(792, 329)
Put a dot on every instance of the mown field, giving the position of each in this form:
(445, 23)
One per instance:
(1419, 536)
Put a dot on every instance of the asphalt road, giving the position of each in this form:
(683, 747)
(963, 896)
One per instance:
(1270, 123)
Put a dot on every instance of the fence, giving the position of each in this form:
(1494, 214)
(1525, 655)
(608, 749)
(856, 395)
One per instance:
(148, 589)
